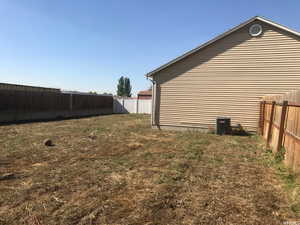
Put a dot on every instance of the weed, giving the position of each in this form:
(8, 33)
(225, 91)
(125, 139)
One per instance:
(196, 154)
(180, 167)
(194, 149)
(216, 161)
(148, 155)
(279, 156)
(295, 208)
(219, 160)
(169, 155)
(290, 180)
(285, 175)
(164, 178)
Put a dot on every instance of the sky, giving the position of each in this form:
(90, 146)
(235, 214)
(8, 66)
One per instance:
(86, 45)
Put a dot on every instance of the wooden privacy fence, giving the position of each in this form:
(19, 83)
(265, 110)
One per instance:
(18, 105)
(280, 127)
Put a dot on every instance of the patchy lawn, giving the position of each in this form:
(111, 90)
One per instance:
(117, 170)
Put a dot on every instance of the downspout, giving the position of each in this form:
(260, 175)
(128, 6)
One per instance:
(153, 111)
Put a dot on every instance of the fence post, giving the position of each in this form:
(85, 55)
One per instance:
(270, 123)
(281, 128)
(71, 102)
(260, 117)
(263, 118)
(137, 105)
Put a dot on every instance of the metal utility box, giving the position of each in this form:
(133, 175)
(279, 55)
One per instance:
(223, 125)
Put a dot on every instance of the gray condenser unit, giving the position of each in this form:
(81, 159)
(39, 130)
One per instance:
(223, 125)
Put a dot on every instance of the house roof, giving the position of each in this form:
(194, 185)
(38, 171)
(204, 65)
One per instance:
(150, 74)
(148, 92)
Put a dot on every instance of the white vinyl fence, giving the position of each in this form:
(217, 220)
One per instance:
(123, 105)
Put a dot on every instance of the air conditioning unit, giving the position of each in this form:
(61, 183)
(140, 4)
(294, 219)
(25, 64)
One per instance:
(223, 125)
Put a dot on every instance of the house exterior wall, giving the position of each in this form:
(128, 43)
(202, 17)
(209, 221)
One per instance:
(227, 78)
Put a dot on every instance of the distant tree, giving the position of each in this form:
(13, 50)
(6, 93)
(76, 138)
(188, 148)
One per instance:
(124, 87)
(93, 92)
(107, 93)
(120, 88)
(127, 87)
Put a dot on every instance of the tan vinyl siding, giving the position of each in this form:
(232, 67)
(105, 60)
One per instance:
(228, 78)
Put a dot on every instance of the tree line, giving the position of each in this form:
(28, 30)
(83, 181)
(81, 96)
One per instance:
(123, 88)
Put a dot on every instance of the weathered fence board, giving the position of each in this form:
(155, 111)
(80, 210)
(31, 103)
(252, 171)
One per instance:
(280, 125)
(19, 105)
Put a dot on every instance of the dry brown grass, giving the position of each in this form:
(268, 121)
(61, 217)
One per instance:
(117, 170)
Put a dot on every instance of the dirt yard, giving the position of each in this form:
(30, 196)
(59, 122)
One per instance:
(117, 170)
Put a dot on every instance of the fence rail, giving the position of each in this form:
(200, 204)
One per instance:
(19, 105)
(280, 126)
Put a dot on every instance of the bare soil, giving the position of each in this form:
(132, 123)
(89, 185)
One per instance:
(117, 170)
